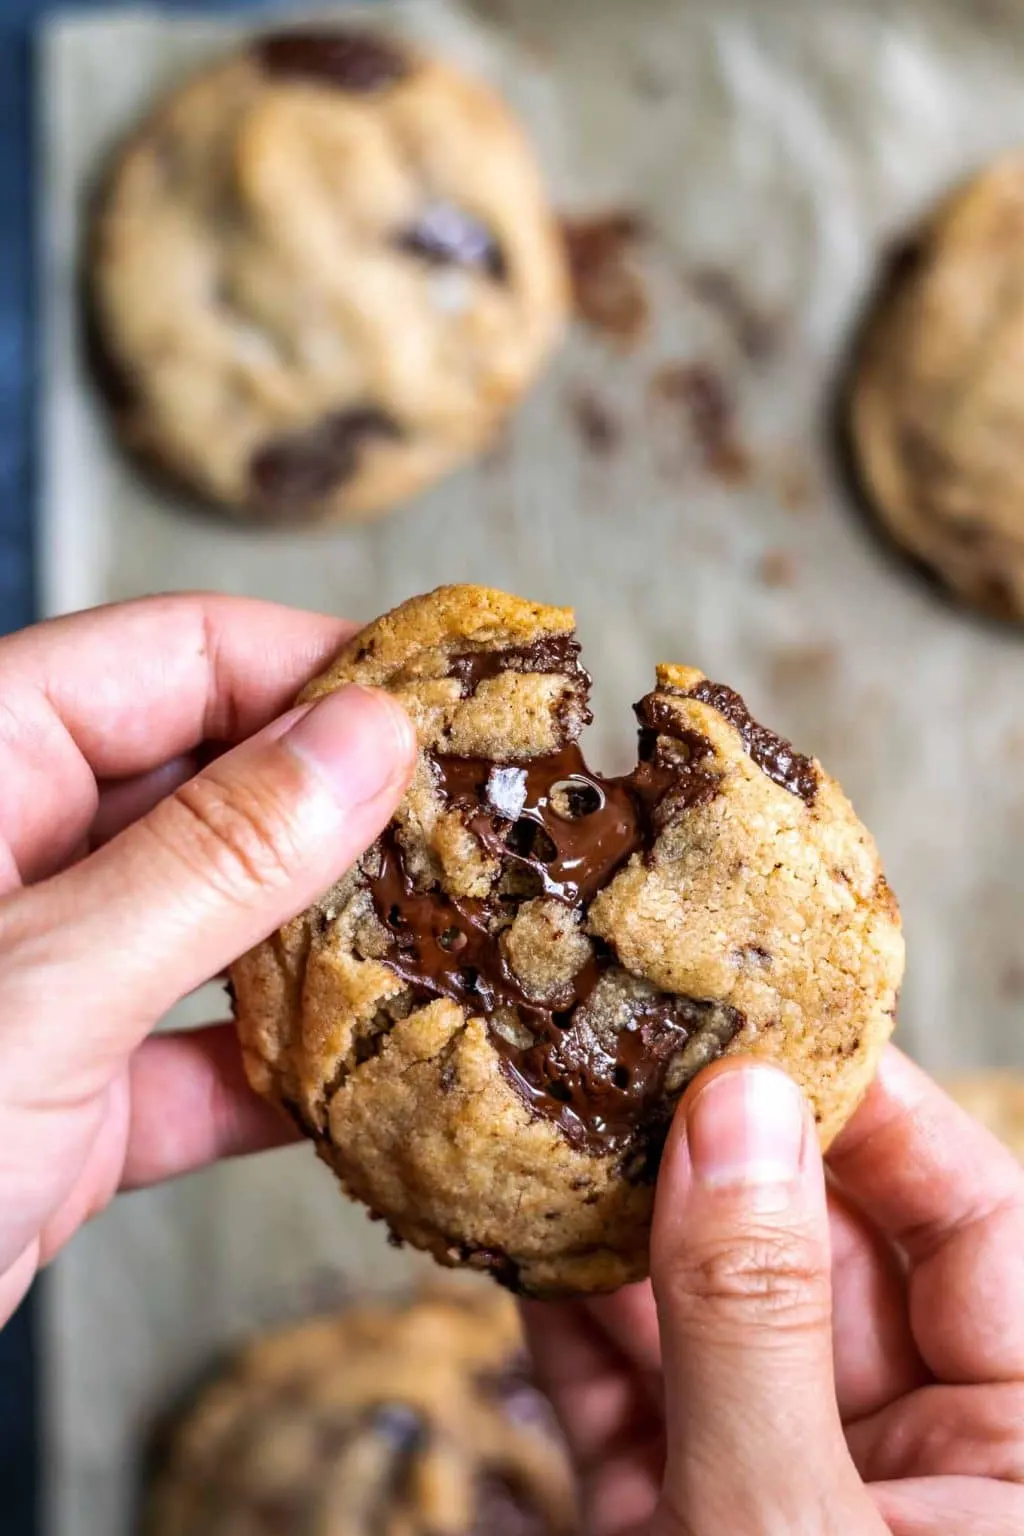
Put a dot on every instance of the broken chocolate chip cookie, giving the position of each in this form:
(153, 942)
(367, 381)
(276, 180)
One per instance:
(322, 272)
(486, 1024)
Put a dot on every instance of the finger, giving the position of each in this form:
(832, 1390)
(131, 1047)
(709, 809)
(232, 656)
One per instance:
(94, 955)
(876, 1359)
(942, 1187)
(117, 691)
(741, 1270)
(127, 800)
(614, 1436)
(191, 1105)
(950, 1506)
(940, 1430)
(630, 1319)
(16, 1280)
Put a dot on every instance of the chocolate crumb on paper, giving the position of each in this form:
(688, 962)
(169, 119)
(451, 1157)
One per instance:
(609, 291)
(696, 396)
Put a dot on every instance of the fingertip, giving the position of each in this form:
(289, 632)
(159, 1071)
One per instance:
(360, 741)
(741, 1122)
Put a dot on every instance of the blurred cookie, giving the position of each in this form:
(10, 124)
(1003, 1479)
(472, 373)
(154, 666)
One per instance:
(322, 273)
(936, 404)
(486, 1024)
(383, 1421)
(997, 1100)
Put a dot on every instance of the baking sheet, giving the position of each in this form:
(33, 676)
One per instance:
(679, 489)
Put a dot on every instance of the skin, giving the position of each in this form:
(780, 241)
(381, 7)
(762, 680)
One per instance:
(835, 1354)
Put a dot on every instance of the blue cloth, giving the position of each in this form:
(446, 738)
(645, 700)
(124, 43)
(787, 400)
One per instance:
(16, 370)
(18, 1418)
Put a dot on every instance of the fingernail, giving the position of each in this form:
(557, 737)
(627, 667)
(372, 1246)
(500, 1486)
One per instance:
(746, 1127)
(358, 740)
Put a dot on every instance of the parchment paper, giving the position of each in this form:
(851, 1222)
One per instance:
(681, 493)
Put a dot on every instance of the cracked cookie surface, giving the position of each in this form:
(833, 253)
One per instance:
(486, 1024)
(381, 1421)
(322, 272)
(935, 407)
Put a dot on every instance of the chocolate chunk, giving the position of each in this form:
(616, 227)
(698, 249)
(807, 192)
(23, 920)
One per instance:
(503, 1508)
(360, 62)
(492, 1261)
(519, 1396)
(447, 236)
(551, 653)
(301, 469)
(775, 756)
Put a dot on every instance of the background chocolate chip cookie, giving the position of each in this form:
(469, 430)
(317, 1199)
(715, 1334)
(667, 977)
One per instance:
(936, 402)
(383, 1421)
(997, 1100)
(322, 273)
(486, 1024)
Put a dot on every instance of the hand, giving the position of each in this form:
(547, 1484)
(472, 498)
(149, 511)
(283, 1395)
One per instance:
(761, 1390)
(127, 878)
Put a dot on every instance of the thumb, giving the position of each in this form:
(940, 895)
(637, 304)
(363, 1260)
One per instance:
(230, 856)
(741, 1273)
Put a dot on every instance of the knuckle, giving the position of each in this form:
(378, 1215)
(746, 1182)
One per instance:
(772, 1277)
(234, 832)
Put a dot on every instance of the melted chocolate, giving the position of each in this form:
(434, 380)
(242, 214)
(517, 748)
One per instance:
(574, 851)
(359, 62)
(447, 236)
(775, 756)
(571, 830)
(301, 469)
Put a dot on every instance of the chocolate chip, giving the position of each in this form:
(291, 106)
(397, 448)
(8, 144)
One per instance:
(301, 469)
(447, 236)
(359, 62)
(494, 1261)
(399, 1424)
